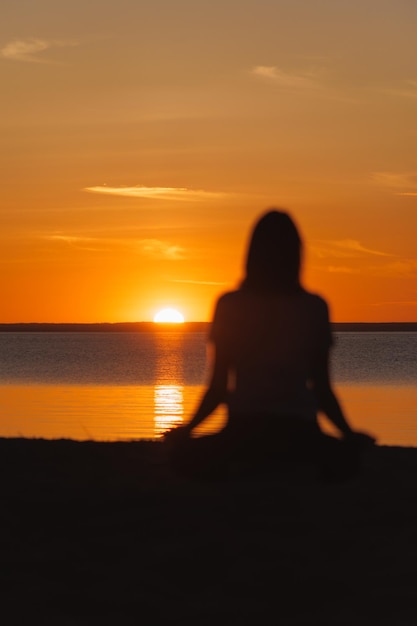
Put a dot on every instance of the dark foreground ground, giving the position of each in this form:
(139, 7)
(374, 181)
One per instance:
(103, 533)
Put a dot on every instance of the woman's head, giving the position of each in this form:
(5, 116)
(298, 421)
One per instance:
(274, 255)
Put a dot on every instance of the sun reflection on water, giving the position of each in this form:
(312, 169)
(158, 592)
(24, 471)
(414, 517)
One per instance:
(168, 407)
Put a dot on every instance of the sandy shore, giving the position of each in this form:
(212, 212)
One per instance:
(104, 533)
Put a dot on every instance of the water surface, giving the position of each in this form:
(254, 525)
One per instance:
(111, 386)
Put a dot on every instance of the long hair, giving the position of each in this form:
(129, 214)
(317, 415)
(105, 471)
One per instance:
(274, 255)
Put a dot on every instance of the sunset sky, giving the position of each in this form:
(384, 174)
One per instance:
(140, 141)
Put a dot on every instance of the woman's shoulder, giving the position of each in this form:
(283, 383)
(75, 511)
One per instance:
(238, 300)
(229, 297)
(314, 299)
(239, 296)
(315, 306)
(225, 312)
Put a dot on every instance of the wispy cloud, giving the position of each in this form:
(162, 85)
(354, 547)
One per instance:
(395, 302)
(271, 73)
(71, 239)
(153, 248)
(156, 248)
(28, 50)
(344, 248)
(156, 193)
(406, 268)
(406, 89)
(349, 256)
(401, 268)
(341, 269)
(317, 80)
(404, 181)
(91, 244)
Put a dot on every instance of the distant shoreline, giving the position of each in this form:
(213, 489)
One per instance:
(105, 327)
(123, 327)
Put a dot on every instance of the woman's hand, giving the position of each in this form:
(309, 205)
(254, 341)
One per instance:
(177, 435)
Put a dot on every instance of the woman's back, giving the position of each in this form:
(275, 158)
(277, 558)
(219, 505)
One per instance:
(271, 342)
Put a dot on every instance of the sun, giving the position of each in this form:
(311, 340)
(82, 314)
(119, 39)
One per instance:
(169, 315)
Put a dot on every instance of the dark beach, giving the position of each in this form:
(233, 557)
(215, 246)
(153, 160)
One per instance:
(105, 533)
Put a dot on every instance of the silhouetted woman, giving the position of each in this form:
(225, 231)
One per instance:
(271, 342)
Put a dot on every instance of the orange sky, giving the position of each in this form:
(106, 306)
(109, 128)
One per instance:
(140, 141)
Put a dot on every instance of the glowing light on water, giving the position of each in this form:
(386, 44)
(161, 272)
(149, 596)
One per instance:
(168, 407)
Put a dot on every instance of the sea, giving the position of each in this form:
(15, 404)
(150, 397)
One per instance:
(111, 386)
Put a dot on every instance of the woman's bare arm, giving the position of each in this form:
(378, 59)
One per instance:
(326, 398)
(329, 404)
(216, 392)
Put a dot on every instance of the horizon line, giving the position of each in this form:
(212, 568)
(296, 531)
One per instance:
(108, 326)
